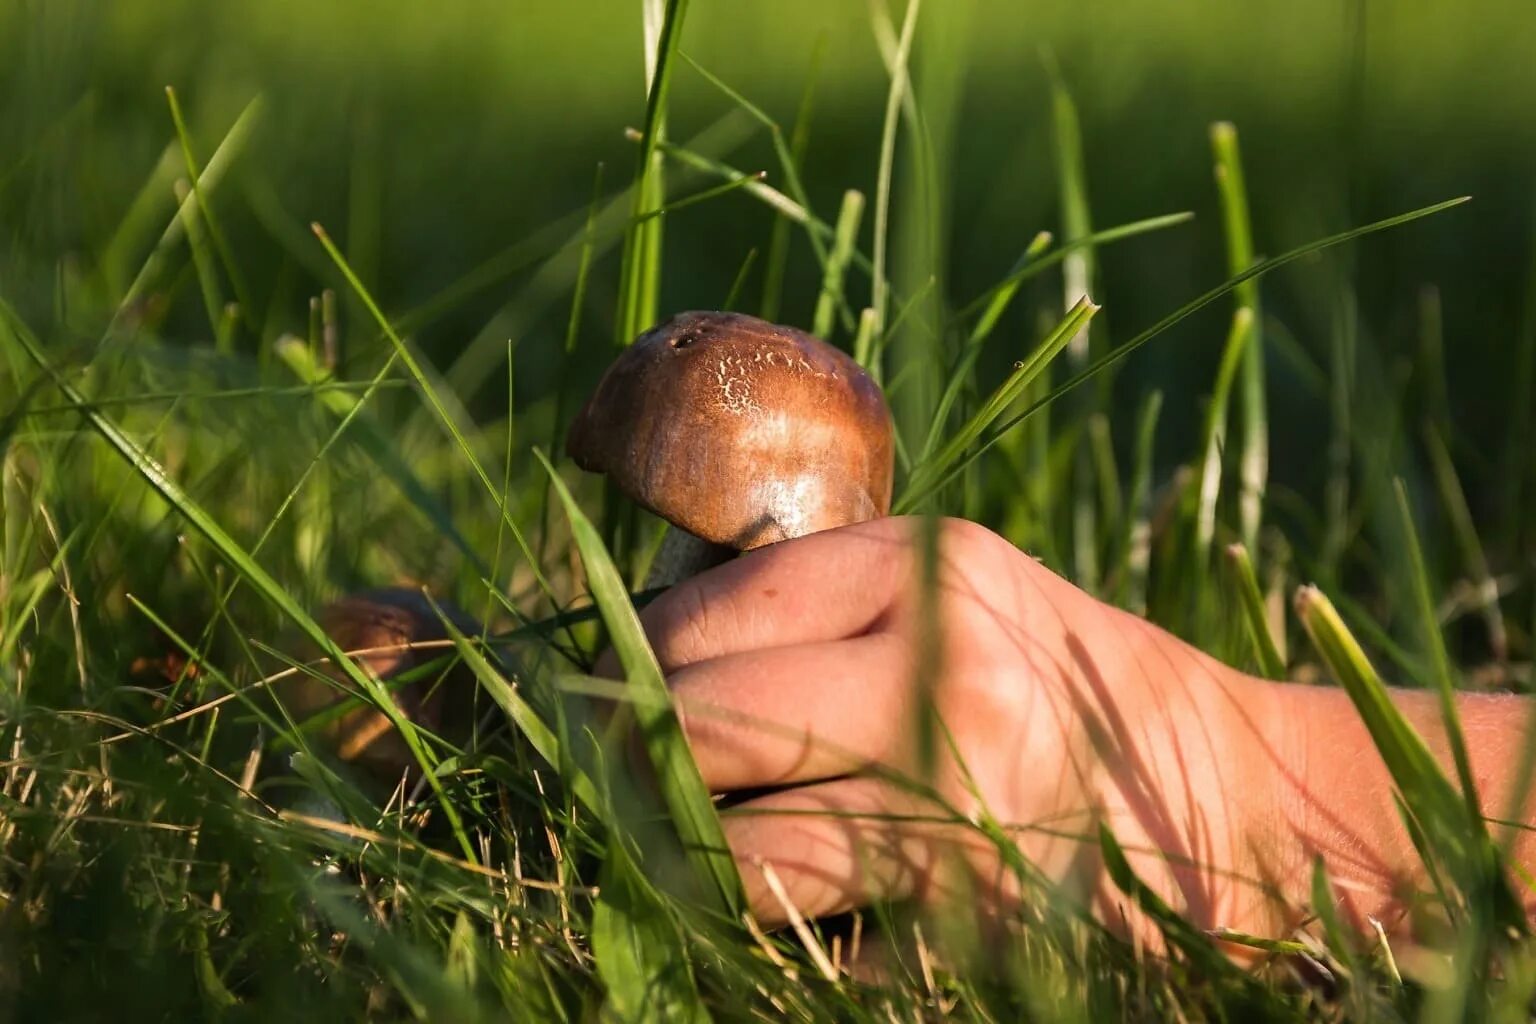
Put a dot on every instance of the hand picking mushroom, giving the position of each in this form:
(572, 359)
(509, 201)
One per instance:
(390, 632)
(739, 433)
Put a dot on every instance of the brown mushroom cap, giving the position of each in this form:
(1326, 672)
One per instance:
(381, 626)
(740, 431)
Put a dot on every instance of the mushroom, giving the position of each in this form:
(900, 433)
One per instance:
(389, 631)
(739, 433)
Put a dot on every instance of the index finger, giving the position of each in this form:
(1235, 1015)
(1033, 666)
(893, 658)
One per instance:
(826, 586)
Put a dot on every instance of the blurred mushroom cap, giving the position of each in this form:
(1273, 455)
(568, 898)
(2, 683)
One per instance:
(739, 431)
(381, 626)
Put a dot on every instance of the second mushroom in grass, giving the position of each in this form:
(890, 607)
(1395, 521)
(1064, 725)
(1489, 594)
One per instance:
(391, 632)
(739, 433)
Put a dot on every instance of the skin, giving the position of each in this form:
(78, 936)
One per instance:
(794, 672)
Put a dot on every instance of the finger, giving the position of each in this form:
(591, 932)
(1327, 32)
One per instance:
(832, 847)
(794, 714)
(825, 586)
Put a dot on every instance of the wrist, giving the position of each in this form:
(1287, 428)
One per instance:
(1190, 790)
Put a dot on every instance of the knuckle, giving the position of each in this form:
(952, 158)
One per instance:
(684, 627)
(965, 543)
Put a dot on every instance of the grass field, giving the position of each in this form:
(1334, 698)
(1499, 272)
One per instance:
(294, 297)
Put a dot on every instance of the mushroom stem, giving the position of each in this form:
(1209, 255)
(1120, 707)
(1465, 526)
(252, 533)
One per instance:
(682, 555)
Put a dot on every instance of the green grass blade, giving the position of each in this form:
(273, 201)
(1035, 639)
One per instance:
(1079, 274)
(1326, 908)
(1431, 367)
(1428, 792)
(1111, 358)
(739, 282)
(789, 153)
(799, 138)
(831, 297)
(543, 740)
(1253, 457)
(999, 300)
(921, 482)
(572, 334)
(640, 951)
(698, 197)
(1239, 337)
(1106, 471)
(202, 260)
(1181, 935)
(141, 219)
(1458, 840)
(754, 186)
(436, 404)
(235, 141)
(1136, 535)
(1474, 561)
(1027, 266)
(250, 570)
(1440, 662)
(682, 788)
(1079, 268)
(1341, 441)
(640, 265)
(1265, 651)
(204, 207)
(879, 287)
(344, 405)
(960, 376)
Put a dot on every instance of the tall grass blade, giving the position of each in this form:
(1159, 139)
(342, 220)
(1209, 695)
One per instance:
(436, 404)
(682, 788)
(640, 266)
(789, 154)
(999, 300)
(1079, 272)
(1253, 457)
(1326, 908)
(204, 207)
(346, 406)
(202, 259)
(231, 551)
(739, 282)
(639, 948)
(1111, 358)
(1239, 337)
(879, 287)
(140, 221)
(1475, 563)
(1180, 934)
(960, 376)
(1431, 368)
(1457, 839)
(799, 138)
(1136, 536)
(540, 737)
(206, 183)
(1341, 440)
(1029, 265)
(1440, 662)
(925, 473)
(1106, 472)
(831, 297)
(1255, 615)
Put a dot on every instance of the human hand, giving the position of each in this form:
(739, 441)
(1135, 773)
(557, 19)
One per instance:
(795, 668)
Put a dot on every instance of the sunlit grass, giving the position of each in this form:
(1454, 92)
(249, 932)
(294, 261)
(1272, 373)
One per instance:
(199, 450)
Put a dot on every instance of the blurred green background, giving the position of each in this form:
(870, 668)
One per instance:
(430, 137)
